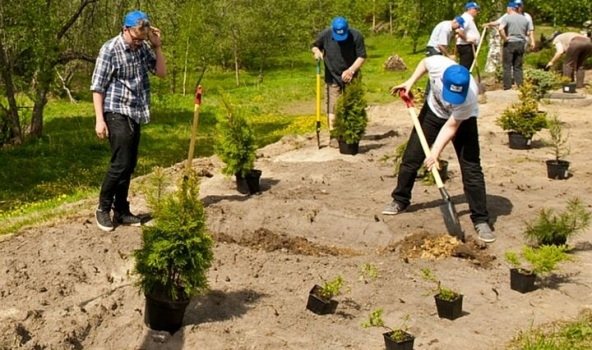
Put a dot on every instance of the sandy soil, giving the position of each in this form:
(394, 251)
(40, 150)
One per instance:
(68, 285)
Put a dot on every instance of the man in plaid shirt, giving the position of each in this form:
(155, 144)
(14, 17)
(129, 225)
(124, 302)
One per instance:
(121, 98)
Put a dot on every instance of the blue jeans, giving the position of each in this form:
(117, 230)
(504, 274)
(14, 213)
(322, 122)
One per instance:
(466, 145)
(124, 138)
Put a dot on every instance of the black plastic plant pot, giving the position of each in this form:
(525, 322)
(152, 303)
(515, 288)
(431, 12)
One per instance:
(250, 183)
(406, 343)
(450, 309)
(348, 148)
(557, 169)
(518, 141)
(164, 315)
(522, 281)
(318, 304)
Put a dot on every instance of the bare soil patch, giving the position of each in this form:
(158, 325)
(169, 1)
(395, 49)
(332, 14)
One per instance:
(68, 285)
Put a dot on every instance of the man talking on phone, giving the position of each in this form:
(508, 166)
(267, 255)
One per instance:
(121, 99)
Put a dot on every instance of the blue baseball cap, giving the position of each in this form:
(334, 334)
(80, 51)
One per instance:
(339, 28)
(132, 18)
(512, 5)
(456, 80)
(460, 21)
(472, 5)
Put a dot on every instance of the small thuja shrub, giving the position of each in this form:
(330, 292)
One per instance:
(399, 333)
(540, 261)
(550, 226)
(442, 292)
(236, 145)
(177, 249)
(351, 117)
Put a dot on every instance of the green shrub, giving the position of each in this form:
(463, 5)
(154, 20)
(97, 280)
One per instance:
(550, 226)
(236, 143)
(540, 261)
(559, 137)
(331, 288)
(524, 117)
(542, 82)
(177, 249)
(351, 117)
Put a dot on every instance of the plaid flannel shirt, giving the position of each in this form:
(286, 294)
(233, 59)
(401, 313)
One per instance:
(121, 75)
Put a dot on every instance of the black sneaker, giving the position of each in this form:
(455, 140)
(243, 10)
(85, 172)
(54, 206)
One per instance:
(103, 219)
(393, 208)
(128, 219)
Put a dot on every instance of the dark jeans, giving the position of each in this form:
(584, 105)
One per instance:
(124, 137)
(578, 51)
(512, 63)
(465, 55)
(466, 145)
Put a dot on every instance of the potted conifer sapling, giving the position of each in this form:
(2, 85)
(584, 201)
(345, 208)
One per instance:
(523, 119)
(237, 149)
(396, 338)
(351, 117)
(554, 228)
(176, 251)
(448, 301)
(558, 167)
(320, 298)
(533, 262)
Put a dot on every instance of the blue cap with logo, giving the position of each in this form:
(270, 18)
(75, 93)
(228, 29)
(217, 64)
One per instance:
(472, 5)
(339, 28)
(460, 21)
(132, 18)
(456, 80)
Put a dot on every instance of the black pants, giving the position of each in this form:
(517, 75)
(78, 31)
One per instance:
(465, 55)
(466, 145)
(124, 137)
(512, 57)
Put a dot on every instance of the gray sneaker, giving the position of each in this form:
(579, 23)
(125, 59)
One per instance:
(103, 219)
(485, 233)
(393, 208)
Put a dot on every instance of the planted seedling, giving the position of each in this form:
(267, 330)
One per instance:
(331, 288)
(442, 292)
(555, 228)
(540, 261)
(398, 333)
(368, 270)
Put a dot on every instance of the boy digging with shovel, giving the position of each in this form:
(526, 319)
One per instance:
(449, 114)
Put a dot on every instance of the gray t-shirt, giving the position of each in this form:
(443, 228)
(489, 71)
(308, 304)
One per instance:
(516, 27)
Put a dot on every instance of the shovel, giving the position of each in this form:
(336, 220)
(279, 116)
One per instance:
(448, 211)
(319, 103)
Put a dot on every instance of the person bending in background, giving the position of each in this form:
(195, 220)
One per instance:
(449, 113)
(121, 99)
(514, 32)
(442, 34)
(344, 52)
(577, 48)
(468, 37)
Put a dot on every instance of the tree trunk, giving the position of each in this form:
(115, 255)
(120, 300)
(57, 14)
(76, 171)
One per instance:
(13, 116)
(37, 118)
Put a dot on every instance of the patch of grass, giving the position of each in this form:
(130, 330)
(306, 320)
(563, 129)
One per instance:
(70, 160)
(561, 335)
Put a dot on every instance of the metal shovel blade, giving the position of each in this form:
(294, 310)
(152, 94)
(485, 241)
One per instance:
(451, 221)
